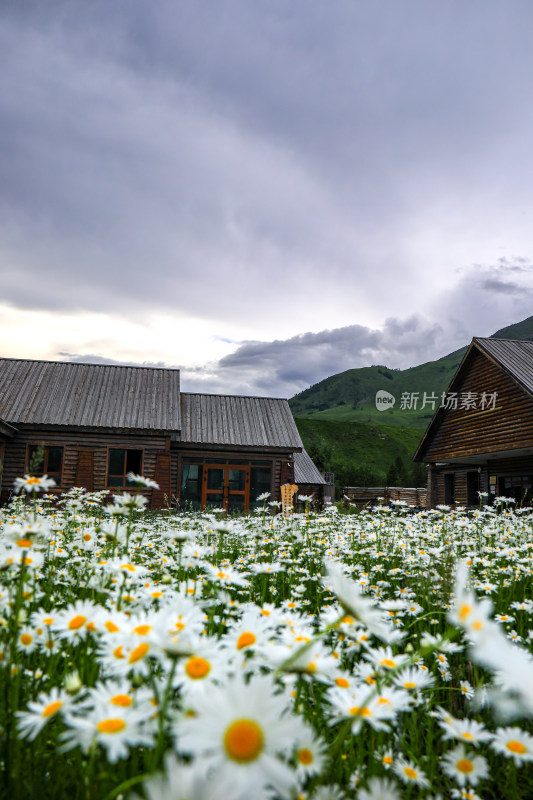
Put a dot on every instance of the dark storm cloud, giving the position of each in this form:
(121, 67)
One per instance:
(254, 159)
(284, 367)
(501, 287)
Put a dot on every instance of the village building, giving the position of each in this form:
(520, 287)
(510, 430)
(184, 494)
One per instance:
(89, 425)
(481, 437)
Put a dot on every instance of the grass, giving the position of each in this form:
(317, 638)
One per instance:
(133, 632)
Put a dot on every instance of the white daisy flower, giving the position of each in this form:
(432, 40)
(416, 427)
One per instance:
(514, 743)
(239, 731)
(41, 711)
(464, 767)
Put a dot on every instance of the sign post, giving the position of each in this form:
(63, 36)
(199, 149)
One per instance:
(288, 490)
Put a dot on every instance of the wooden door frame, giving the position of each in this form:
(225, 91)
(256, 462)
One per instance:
(225, 487)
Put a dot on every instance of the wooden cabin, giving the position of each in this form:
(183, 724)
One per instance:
(481, 437)
(89, 425)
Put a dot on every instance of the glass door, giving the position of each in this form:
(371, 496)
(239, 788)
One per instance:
(226, 486)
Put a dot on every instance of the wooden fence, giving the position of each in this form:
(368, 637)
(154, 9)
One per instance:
(372, 495)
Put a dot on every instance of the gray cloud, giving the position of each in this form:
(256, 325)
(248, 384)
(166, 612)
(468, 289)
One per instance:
(262, 160)
(502, 287)
(284, 367)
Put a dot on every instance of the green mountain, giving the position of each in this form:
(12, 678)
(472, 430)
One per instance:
(344, 432)
(362, 454)
(350, 395)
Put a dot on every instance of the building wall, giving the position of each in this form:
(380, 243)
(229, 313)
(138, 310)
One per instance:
(498, 469)
(461, 432)
(282, 464)
(85, 454)
(85, 460)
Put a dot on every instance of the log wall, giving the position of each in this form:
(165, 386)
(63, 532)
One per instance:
(460, 433)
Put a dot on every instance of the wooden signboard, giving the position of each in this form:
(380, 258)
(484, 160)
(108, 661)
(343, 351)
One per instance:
(288, 490)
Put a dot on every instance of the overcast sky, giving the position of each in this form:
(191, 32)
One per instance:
(263, 192)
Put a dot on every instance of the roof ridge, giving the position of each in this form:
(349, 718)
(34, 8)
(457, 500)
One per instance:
(244, 396)
(88, 364)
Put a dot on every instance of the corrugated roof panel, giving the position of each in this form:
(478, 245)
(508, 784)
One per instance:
(235, 420)
(514, 356)
(305, 470)
(89, 395)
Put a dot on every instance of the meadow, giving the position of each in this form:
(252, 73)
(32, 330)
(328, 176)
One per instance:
(379, 655)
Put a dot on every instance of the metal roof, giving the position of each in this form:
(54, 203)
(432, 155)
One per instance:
(89, 395)
(305, 470)
(236, 420)
(514, 356)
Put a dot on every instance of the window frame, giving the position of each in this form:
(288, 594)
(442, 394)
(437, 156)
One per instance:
(124, 484)
(56, 475)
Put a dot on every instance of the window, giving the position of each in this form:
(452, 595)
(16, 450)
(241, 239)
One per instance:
(44, 460)
(191, 485)
(449, 488)
(260, 482)
(472, 488)
(120, 463)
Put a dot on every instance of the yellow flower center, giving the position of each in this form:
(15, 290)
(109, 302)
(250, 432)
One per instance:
(467, 735)
(26, 638)
(51, 709)
(245, 640)
(243, 740)
(387, 662)
(516, 747)
(123, 700)
(48, 620)
(139, 653)
(305, 756)
(111, 627)
(117, 652)
(342, 682)
(23, 542)
(87, 537)
(410, 772)
(111, 726)
(360, 711)
(465, 766)
(77, 622)
(197, 668)
(464, 611)
(142, 630)
(33, 480)
(388, 760)
(409, 685)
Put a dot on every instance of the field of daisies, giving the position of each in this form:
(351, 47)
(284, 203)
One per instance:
(379, 655)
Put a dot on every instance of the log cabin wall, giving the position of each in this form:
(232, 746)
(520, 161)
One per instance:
(496, 469)
(461, 433)
(85, 455)
(282, 465)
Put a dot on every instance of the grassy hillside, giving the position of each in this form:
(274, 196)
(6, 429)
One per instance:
(362, 454)
(350, 395)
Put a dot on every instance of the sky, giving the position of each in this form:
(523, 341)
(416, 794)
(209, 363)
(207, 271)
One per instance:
(263, 193)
